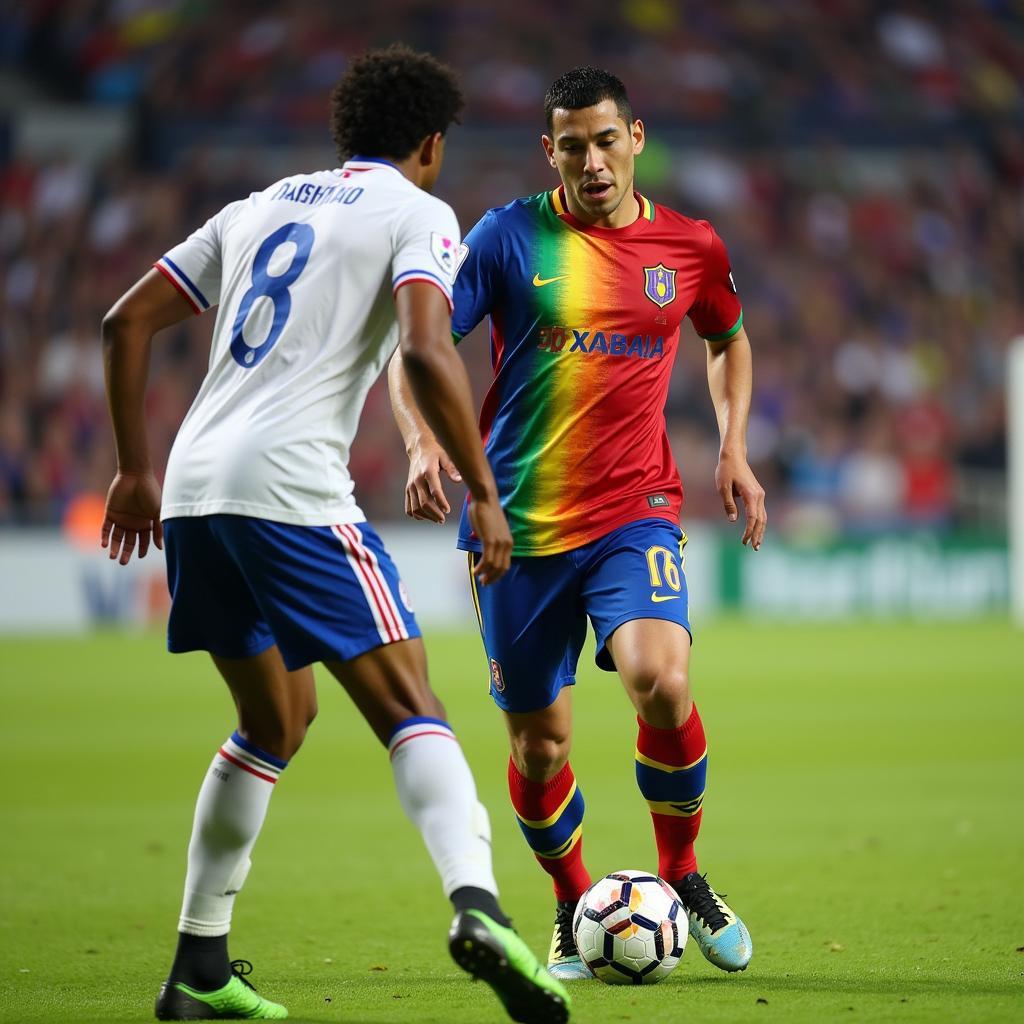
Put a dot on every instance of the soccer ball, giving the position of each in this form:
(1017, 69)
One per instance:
(630, 928)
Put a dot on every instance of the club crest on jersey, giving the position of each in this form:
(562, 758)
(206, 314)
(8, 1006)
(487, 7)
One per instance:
(660, 284)
(443, 250)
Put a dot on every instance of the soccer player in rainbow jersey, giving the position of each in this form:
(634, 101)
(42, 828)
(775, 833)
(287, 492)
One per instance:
(586, 287)
(271, 564)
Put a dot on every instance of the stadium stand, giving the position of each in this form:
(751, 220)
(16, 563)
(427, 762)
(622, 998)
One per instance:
(863, 161)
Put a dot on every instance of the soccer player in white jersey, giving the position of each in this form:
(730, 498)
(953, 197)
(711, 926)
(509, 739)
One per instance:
(271, 564)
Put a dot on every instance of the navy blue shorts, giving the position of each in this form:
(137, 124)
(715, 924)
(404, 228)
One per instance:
(534, 619)
(321, 593)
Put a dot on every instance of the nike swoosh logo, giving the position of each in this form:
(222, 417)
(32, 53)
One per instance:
(539, 282)
(658, 598)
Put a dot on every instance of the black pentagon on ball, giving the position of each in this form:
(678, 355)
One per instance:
(659, 944)
(609, 946)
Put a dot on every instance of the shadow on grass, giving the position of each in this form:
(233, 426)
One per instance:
(930, 985)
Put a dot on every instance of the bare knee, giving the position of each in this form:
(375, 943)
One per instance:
(540, 755)
(661, 695)
(279, 735)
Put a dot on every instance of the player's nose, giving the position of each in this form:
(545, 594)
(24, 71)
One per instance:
(594, 162)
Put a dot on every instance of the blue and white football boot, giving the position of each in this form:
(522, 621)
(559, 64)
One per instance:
(723, 938)
(564, 962)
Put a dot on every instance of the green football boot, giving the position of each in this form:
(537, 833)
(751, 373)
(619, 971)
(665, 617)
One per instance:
(237, 1000)
(499, 956)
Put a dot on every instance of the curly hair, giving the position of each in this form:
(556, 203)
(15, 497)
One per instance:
(388, 101)
(585, 87)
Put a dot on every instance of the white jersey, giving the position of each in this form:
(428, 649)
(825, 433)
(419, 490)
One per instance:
(303, 276)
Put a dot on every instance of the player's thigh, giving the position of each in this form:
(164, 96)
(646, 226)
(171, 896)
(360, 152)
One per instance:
(389, 686)
(330, 594)
(275, 706)
(652, 657)
(533, 627)
(213, 607)
(635, 573)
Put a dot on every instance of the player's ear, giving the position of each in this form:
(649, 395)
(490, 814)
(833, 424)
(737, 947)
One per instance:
(431, 149)
(637, 131)
(549, 150)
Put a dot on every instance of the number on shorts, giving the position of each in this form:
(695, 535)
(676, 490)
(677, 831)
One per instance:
(272, 286)
(661, 564)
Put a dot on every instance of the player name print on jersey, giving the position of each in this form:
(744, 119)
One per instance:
(314, 195)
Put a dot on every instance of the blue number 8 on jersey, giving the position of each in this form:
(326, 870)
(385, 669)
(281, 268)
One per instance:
(273, 287)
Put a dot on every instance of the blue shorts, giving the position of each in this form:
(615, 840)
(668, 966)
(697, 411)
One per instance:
(321, 593)
(534, 619)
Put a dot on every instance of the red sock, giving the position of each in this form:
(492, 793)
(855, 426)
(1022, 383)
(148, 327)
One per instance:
(551, 818)
(671, 768)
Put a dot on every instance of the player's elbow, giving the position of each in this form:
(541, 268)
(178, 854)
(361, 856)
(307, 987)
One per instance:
(113, 328)
(113, 323)
(421, 355)
(118, 324)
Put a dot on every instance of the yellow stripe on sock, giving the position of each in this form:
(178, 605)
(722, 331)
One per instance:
(565, 849)
(662, 767)
(676, 809)
(548, 822)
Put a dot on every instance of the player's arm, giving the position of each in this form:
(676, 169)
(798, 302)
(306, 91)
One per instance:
(438, 387)
(424, 494)
(133, 501)
(473, 294)
(730, 381)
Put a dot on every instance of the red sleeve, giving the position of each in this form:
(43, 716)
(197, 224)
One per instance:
(716, 314)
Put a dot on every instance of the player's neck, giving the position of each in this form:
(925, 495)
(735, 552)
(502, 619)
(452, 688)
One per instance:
(411, 168)
(626, 213)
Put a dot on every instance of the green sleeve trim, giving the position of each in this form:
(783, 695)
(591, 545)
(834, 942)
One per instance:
(456, 338)
(726, 335)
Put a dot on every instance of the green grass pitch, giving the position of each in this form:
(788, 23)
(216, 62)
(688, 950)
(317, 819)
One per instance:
(865, 814)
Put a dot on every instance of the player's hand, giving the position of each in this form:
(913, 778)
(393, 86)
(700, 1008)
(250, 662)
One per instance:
(131, 516)
(424, 495)
(735, 479)
(491, 527)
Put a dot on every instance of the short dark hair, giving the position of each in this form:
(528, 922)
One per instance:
(389, 101)
(585, 87)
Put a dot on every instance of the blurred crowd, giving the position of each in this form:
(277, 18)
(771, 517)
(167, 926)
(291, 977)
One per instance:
(760, 68)
(881, 282)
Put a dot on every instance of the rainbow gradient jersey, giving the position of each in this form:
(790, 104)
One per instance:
(584, 330)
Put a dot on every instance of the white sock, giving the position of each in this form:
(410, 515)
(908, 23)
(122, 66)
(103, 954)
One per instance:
(437, 792)
(229, 815)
